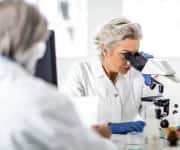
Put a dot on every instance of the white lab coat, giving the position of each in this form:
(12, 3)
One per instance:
(119, 102)
(35, 116)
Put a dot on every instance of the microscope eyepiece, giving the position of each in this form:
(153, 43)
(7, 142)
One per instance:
(136, 60)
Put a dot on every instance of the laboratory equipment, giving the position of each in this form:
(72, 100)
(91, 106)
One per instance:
(151, 130)
(173, 138)
(161, 105)
(160, 72)
(46, 66)
(134, 141)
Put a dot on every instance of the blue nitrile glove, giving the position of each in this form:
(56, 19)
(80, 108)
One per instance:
(126, 127)
(147, 77)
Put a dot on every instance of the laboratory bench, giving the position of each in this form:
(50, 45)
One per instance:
(137, 142)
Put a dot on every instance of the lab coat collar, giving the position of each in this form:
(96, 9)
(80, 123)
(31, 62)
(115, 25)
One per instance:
(121, 76)
(97, 68)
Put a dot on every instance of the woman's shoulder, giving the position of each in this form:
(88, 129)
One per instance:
(85, 64)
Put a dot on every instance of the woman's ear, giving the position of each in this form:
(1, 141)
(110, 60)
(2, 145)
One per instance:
(103, 50)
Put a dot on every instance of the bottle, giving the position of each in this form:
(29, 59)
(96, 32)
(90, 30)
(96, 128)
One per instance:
(135, 141)
(151, 131)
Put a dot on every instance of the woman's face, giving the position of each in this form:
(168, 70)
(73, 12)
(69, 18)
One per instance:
(115, 59)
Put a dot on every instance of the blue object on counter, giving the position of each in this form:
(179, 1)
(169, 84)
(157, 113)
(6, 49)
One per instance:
(126, 127)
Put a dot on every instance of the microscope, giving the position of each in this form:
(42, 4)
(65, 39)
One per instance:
(156, 68)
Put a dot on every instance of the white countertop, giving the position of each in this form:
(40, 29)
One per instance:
(122, 144)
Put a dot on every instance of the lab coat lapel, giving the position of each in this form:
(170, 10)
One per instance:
(123, 87)
(110, 102)
(126, 88)
(102, 82)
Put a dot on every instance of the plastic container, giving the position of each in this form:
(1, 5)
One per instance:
(151, 131)
(134, 141)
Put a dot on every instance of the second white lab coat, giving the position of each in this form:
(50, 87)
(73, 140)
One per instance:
(119, 102)
(35, 116)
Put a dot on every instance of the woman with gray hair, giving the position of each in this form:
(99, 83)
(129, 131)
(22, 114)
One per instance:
(110, 76)
(33, 114)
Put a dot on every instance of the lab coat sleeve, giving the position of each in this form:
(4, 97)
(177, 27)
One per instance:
(73, 86)
(55, 125)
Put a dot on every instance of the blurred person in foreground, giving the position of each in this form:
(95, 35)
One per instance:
(33, 114)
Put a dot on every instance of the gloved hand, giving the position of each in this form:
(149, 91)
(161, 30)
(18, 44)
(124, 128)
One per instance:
(147, 77)
(126, 127)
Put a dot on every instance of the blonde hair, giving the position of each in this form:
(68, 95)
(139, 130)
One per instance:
(21, 26)
(116, 30)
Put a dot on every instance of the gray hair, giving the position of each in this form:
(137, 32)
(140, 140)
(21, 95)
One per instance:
(117, 30)
(21, 27)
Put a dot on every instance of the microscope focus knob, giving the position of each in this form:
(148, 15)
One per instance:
(176, 106)
(164, 123)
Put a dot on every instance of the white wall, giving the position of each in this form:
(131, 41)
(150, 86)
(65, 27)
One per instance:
(67, 45)
(100, 12)
(160, 23)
